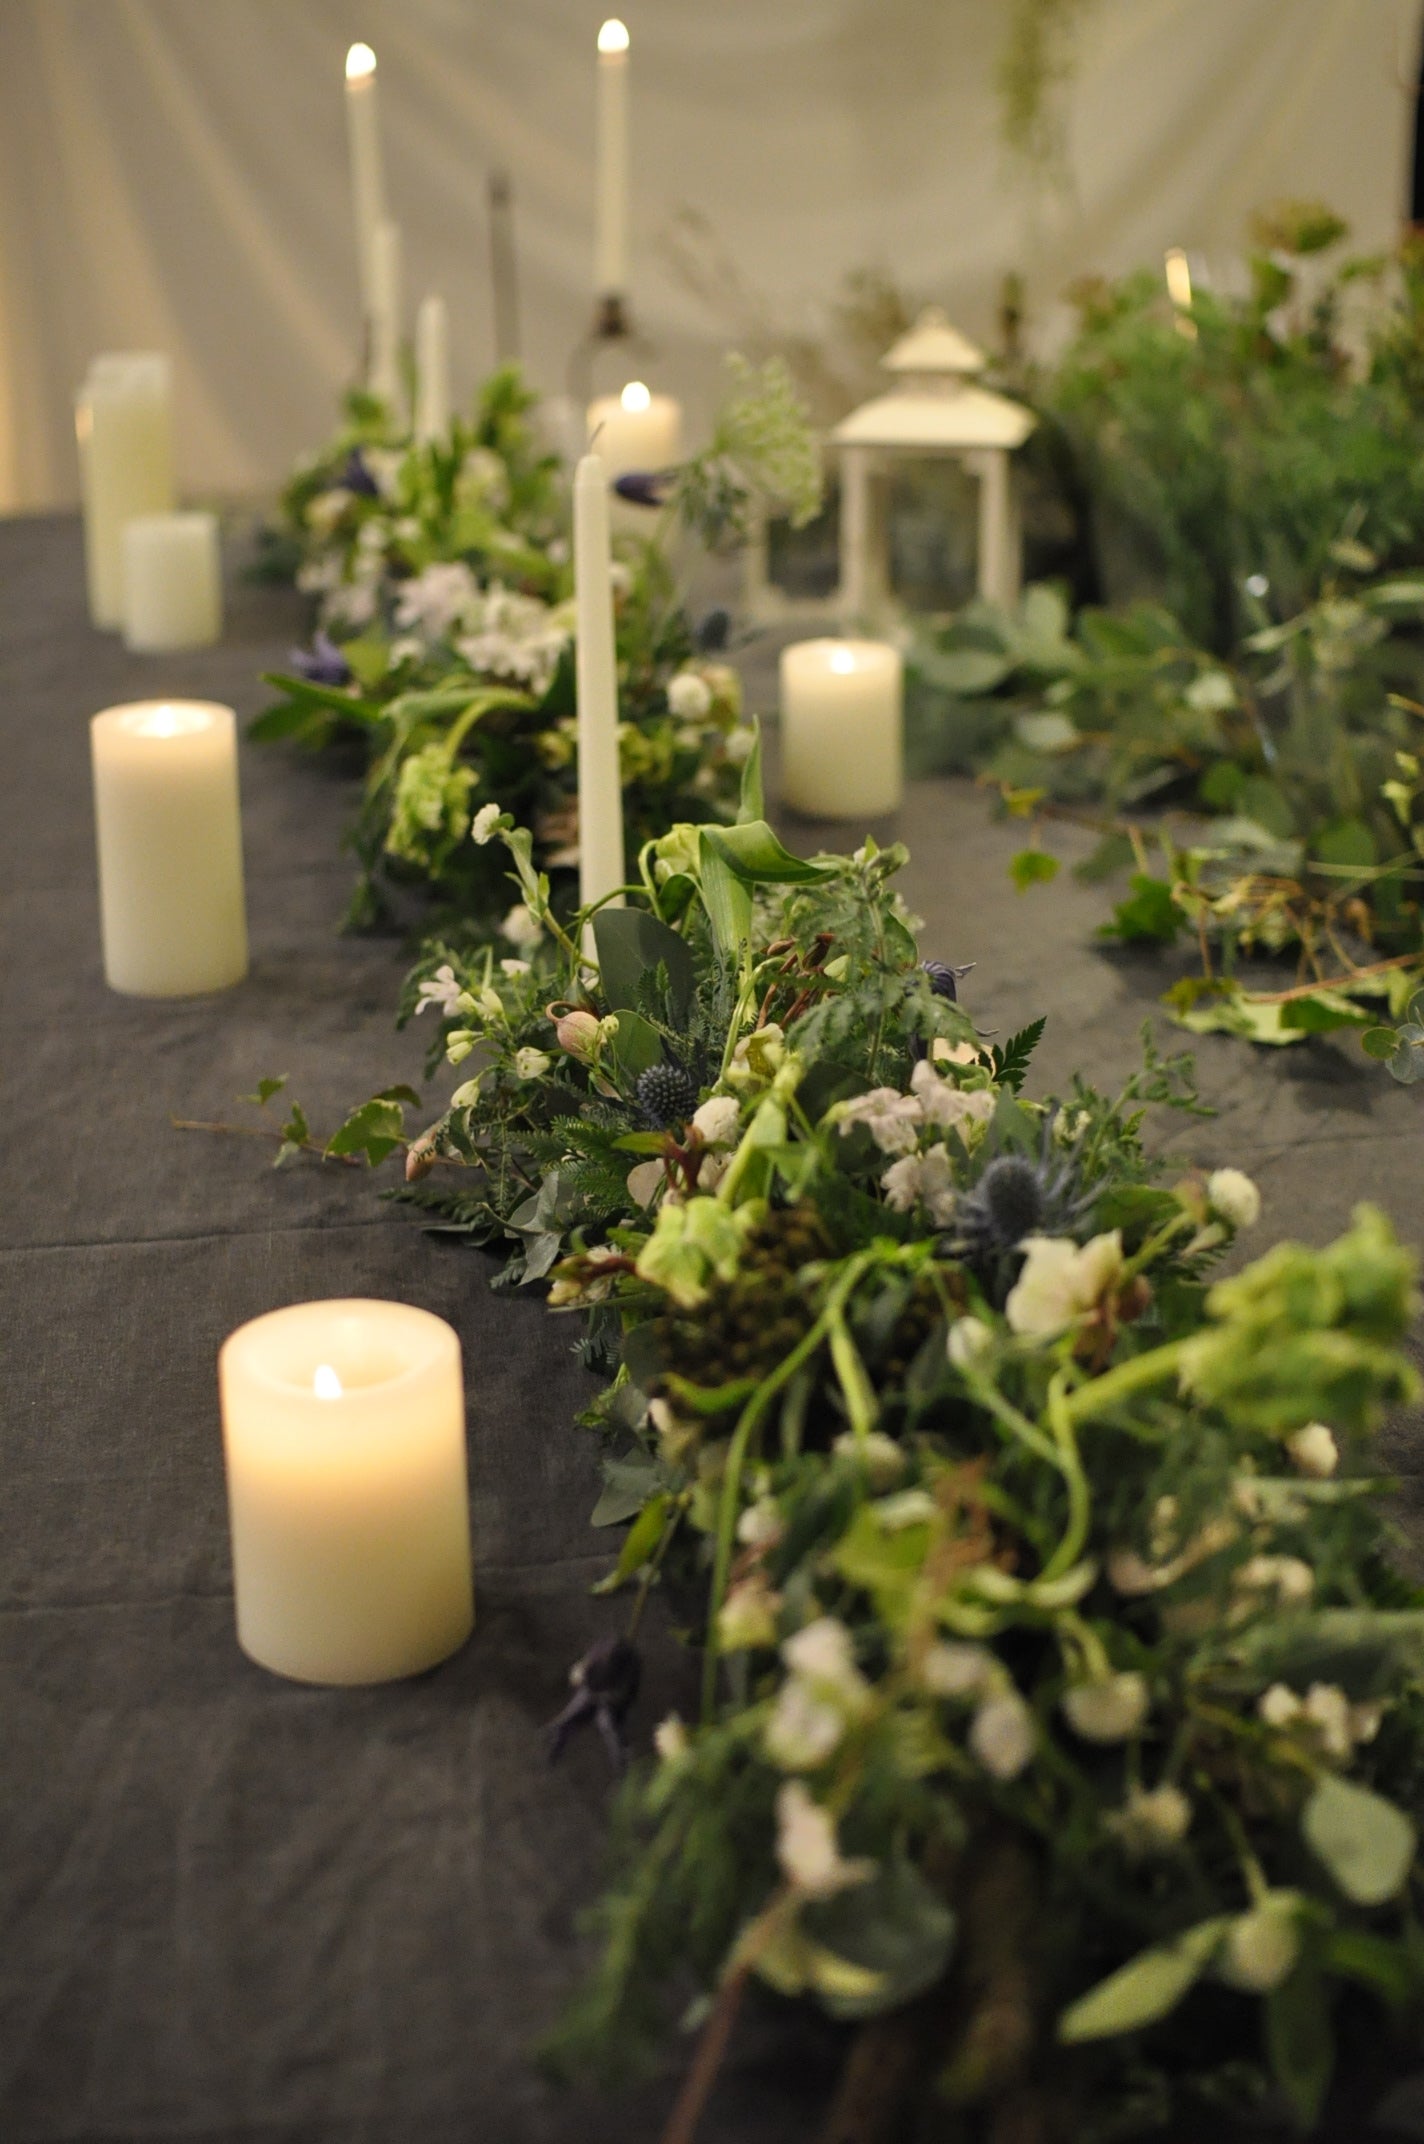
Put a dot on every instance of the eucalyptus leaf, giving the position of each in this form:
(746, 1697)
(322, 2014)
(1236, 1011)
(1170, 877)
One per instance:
(1147, 1988)
(1366, 1843)
(895, 1927)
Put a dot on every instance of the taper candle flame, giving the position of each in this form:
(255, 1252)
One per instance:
(613, 37)
(360, 61)
(326, 1384)
(1179, 276)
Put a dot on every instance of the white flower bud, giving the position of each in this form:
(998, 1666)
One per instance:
(957, 1669)
(1231, 1194)
(1002, 1736)
(671, 1739)
(882, 1458)
(531, 1063)
(806, 1846)
(802, 1730)
(969, 1337)
(1314, 1451)
(1279, 1706)
(1291, 1579)
(483, 824)
(1262, 1946)
(1108, 1710)
(1151, 1819)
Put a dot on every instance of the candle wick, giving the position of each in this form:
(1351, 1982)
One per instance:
(593, 435)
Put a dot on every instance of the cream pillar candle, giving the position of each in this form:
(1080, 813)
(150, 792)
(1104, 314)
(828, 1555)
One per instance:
(610, 245)
(123, 423)
(841, 728)
(368, 183)
(635, 430)
(172, 582)
(170, 847)
(600, 792)
(344, 1441)
(385, 379)
(432, 370)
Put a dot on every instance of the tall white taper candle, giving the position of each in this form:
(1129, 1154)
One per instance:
(385, 378)
(432, 370)
(610, 254)
(600, 792)
(368, 182)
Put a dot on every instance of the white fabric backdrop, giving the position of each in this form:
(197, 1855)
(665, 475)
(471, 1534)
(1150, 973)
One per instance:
(173, 174)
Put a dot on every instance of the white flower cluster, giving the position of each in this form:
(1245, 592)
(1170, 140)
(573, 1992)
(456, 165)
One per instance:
(1062, 1282)
(1325, 1716)
(514, 636)
(1001, 1733)
(823, 1694)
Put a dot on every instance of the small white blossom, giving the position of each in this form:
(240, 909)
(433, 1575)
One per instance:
(1108, 1710)
(892, 1119)
(531, 1063)
(955, 1668)
(514, 967)
(969, 1337)
(437, 599)
(1262, 1946)
(352, 603)
(483, 824)
(1279, 1706)
(1061, 1282)
(747, 1617)
(689, 696)
(823, 1652)
(922, 1180)
(718, 1119)
(1314, 1450)
(760, 1524)
(740, 744)
(620, 577)
(1002, 1735)
(882, 1458)
(803, 1728)
(520, 927)
(671, 1739)
(806, 1846)
(1151, 1819)
(326, 509)
(443, 989)
(466, 1095)
(945, 1104)
(909, 1507)
(1327, 1710)
(1231, 1193)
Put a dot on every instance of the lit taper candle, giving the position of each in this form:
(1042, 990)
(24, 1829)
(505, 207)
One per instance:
(385, 379)
(600, 792)
(610, 254)
(368, 181)
(344, 1440)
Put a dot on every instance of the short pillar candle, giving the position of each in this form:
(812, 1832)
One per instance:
(123, 421)
(169, 833)
(172, 582)
(344, 1441)
(842, 728)
(635, 430)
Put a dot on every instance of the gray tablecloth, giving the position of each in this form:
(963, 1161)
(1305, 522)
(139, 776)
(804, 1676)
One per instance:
(233, 1909)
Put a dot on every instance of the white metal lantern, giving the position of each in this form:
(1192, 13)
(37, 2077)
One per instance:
(934, 408)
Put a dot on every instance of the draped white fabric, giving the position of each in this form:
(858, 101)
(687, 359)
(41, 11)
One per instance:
(173, 174)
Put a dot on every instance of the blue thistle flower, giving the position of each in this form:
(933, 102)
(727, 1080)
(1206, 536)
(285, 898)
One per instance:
(322, 663)
(355, 476)
(645, 487)
(667, 1096)
(605, 1684)
(1017, 1196)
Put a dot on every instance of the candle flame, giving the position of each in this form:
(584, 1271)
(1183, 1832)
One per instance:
(164, 720)
(360, 62)
(613, 37)
(636, 396)
(842, 660)
(326, 1384)
(1179, 276)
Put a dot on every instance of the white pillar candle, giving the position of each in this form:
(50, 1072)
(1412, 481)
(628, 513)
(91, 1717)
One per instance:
(842, 728)
(600, 791)
(385, 379)
(172, 582)
(170, 847)
(368, 182)
(635, 430)
(344, 1440)
(432, 370)
(610, 245)
(124, 426)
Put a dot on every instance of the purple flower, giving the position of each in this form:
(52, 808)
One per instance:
(357, 477)
(322, 663)
(605, 1684)
(944, 980)
(645, 487)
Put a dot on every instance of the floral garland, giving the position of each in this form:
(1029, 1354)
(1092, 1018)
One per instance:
(445, 626)
(1061, 1712)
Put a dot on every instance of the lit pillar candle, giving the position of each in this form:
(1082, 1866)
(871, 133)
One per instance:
(385, 379)
(600, 792)
(610, 248)
(344, 1441)
(172, 582)
(635, 430)
(842, 728)
(432, 370)
(368, 183)
(170, 847)
(124, 426)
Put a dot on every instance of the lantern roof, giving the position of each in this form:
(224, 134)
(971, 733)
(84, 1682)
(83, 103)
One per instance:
(935, 406)
(933, 345)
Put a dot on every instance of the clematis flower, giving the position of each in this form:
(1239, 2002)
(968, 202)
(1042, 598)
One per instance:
(1109, 1709)
(1062, 1282)
(718, 1120)
(806, 1846)
(531, 1063)
(1151, 1819)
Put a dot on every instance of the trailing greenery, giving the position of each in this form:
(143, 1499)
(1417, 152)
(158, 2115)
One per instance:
(444, 649)
(1061, 1713)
